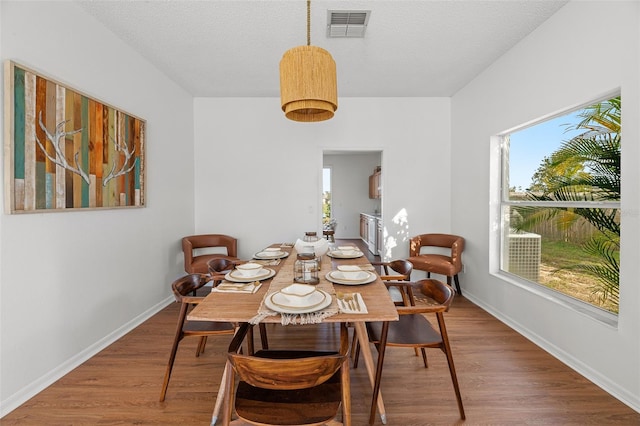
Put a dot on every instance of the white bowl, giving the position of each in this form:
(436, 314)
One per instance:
(352, 272)
(249, 269)
(298, 296)
(300, 290)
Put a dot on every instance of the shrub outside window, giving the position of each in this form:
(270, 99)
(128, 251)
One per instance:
(560, 204)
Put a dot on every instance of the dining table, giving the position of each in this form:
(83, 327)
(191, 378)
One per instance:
(252, 307)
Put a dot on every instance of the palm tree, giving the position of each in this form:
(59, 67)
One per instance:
(586, 168)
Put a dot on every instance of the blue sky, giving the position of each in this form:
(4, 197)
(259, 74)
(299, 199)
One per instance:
(326, 180)
(529, 146)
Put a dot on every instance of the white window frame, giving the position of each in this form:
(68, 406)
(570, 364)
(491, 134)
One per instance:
(499, 195)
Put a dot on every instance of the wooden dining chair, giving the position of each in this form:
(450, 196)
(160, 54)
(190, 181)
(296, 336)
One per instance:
(182, 289)
(438, 254)
(288, 387)
(414, 329)
(197, 251)
(397, 270)
(218, 267)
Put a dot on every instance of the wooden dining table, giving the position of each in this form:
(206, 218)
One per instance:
(244, 308)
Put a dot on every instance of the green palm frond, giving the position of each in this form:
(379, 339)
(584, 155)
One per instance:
(585, 168)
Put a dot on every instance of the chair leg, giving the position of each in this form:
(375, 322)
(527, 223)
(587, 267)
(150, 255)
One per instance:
(424, 357)
(174, 349)
(455, 277)
(446, 348)
(355, 350)
(201, 344)
(263, 336)
(172, 358)
(167, 374)
(250, 349)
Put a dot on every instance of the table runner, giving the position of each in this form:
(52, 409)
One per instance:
(284, 278)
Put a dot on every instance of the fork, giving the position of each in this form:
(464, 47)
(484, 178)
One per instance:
(340, 296)
(347, 299)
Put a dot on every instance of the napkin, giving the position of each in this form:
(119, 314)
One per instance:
(344, 307)
(231, 287)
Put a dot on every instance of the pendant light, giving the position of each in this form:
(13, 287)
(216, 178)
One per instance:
(308, 84)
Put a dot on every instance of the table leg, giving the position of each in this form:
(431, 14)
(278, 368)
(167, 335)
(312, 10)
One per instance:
(221, 395)
(365, 350)
(376, 389)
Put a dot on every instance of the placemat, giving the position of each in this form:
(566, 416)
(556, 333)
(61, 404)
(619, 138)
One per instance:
(284, 278)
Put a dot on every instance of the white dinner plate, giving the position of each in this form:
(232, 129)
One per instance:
(310, 301)
(287, 310)
(267, 255)
(264, 274)
(337, 278)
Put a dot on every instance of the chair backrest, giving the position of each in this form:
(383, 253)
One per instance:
(401, 266)
(288, 370)
(440, 292)
(286, 374)
(186, 285)
(453, 242)
(218, 265)
(193, 242)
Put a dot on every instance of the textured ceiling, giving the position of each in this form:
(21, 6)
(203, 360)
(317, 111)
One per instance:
(217, 48)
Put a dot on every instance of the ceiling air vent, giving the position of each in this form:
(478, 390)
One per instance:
(347, 23)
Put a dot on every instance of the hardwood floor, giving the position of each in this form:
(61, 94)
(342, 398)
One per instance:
(504, 380)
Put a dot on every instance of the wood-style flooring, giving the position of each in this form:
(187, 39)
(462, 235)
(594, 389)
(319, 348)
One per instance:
(504, 379)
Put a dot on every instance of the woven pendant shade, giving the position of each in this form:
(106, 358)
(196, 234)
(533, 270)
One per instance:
(308, 85)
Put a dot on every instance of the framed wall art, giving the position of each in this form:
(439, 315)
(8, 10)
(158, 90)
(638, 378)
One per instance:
(67, 151)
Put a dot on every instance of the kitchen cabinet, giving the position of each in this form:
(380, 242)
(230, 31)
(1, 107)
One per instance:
(375, 189)
(369, 231)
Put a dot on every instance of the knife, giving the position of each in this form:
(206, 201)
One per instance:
(355, 299)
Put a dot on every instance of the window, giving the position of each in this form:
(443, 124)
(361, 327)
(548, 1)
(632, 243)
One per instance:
(560, 205)
(326, 195)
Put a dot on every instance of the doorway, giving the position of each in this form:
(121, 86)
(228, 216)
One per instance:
(347, 189)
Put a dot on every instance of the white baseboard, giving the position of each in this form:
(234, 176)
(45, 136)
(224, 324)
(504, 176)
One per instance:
(23, 395)
(575, 364)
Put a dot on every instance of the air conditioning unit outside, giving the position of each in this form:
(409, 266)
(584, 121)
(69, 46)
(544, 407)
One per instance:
(524, 255)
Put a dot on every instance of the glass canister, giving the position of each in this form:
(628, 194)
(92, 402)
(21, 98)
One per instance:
(305, 269)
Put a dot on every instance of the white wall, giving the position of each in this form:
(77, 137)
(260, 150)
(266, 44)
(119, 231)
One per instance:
(564, 63)
(350, 173)
(71, 282)
(259, 175)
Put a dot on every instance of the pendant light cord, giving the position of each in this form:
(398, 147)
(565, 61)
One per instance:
(308, 22)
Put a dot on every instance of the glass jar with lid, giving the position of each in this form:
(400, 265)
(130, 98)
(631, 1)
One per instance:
(305, 269)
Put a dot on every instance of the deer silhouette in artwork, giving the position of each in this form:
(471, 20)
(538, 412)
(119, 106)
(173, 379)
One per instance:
(59, 137)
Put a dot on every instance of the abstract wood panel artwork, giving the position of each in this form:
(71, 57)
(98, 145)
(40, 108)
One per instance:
(67, 151)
